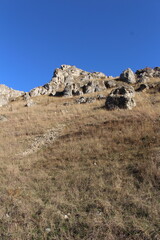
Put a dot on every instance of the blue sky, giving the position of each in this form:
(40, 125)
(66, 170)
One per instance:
(37, 36)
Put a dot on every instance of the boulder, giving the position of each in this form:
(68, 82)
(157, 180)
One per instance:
(122, 97)
(110, 83)
(128, 76)
(85, 100)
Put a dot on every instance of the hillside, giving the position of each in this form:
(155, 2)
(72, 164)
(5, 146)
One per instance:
(71, 171)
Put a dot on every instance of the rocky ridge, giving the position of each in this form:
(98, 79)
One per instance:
(71, 81)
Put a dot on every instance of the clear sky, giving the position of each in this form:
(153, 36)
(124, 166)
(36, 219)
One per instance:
(37, 36)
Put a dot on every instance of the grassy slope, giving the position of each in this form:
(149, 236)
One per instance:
(99, 180)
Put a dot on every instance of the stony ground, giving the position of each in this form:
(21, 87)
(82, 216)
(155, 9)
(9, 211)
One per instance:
(77, 171)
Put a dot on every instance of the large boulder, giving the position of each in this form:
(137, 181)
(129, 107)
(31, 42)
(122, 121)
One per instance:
(122, 97)
(128, 76)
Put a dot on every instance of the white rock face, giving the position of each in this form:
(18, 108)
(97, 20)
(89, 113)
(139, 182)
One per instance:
(7, 94)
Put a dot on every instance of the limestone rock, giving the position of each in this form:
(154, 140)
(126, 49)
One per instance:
(100, 97)
(128, 76)
(143, 79)
(143, 87)
(94, 86)
(7, 94)
(122, 97)
(70, 74)
(157, 72)
(72, 80)
(110, 83)
(29, 103)
(145, 72)
(47, 89)
(85, 100)
(3, 118)
(68, 90)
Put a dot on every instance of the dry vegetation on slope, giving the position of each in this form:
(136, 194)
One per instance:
(98, 180)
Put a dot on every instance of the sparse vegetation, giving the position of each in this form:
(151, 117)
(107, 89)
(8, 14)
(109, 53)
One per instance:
(100, 180)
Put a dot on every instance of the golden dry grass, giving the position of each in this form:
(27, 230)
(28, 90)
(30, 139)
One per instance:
(99, 180)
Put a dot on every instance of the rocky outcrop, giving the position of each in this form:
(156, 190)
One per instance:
(47, 89)
(73, 81)
(71, 74)
(122, 98)
(148, 73)
(8, 94)
(145, 72)
(128, 76)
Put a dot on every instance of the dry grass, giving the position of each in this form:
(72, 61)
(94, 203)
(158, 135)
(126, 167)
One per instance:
(99, 180)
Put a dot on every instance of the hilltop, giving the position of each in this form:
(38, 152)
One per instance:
(80, 157)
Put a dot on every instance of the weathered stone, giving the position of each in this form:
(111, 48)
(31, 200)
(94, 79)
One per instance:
(81, 100)
(101, 96)
(47, 89)
(99, 75)
(122, 97)
(35, 92)
(85, 100)
(93, 86)
(143, 87)
(8, 94)
(148, 72)
(26, 96)
(29, 103)
(143, 79)
(110, 83)
(68, 90)
(67, 74)
(157, 72)
(3, 118)
(76, 89)
(128, 76)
